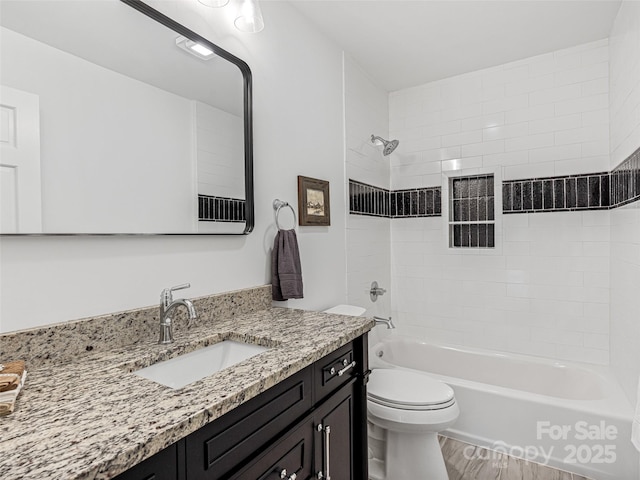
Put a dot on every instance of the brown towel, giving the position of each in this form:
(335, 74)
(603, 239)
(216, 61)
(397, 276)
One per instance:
(286, 271)
(9, 381)
(6, 408)
(10, 375)
(8, 399)
(16, 367)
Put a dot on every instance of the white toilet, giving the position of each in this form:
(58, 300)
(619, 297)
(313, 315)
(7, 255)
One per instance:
(406, 410)
(411, 408)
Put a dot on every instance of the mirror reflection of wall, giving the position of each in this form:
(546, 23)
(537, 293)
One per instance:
(219, 145)
(134, 132)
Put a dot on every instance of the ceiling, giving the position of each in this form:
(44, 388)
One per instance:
(407, 43)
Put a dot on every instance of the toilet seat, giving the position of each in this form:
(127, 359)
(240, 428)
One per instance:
(406, 390)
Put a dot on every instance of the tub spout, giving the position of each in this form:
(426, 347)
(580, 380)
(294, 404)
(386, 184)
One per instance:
(385, 321)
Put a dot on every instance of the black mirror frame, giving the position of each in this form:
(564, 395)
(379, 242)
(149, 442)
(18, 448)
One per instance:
(248, 130)
(248, 105)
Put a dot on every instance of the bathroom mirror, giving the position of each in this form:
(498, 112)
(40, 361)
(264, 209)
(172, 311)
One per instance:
(118, 120)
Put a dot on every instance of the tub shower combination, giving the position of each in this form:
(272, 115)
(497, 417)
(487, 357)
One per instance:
(569, 416)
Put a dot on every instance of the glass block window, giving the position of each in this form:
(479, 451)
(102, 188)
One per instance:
(471, 212)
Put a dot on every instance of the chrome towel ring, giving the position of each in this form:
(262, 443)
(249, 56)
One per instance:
(277, 205)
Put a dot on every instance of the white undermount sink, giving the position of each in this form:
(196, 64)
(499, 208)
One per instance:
(193, 366)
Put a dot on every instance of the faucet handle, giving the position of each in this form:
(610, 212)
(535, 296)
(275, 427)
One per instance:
(180, 287)
(167, 294)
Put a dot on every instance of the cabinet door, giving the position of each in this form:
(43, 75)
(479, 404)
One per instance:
(334, 436)
(162, 466)
(219, 449)
(289, 458)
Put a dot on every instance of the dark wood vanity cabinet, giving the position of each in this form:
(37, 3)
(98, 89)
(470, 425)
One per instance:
(309, 426)
(290, 456)
(320, 446)
(215, 451)
(162, 466)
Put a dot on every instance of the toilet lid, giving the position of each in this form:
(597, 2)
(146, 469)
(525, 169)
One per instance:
(408, 390)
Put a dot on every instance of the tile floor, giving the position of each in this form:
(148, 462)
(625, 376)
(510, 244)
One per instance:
(468, 462)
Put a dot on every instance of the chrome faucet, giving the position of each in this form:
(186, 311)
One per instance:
(167, 305)
(385, 321)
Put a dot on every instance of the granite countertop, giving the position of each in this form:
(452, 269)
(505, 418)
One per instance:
(93, 419)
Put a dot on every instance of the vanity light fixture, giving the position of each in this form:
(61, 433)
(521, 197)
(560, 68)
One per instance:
(197, 49)
(249, 17)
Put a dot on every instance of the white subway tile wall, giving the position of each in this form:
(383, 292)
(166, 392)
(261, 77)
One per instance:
(219, 145)
(625, 221)
(546, 291)
(368, 238)
(545, 109)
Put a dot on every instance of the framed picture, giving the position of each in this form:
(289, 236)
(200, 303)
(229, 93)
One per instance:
(313, 202)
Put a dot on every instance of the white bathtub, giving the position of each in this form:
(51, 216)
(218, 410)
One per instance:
(570, 416)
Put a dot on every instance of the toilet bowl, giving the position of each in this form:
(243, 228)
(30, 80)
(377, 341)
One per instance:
(411, 408)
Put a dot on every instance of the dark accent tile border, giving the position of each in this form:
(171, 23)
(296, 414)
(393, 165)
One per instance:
(374, 201)
(221, 209)
(368, 200)
(567, 193)
(556, 194)
(417, 202)
(625, 181)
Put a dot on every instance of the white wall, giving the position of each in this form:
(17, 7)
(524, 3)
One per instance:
(625, 221)
(546, 290)
(298, 125)
(104, 178)
(368, 238)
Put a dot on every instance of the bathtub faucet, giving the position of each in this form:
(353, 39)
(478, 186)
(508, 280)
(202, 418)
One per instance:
(385, 321)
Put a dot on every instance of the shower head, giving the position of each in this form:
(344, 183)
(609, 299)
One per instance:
(389, 146)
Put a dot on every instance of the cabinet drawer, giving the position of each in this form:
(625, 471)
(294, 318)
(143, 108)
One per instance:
(291, 457)
(162, 466)
(218, 449)
(334, 370)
